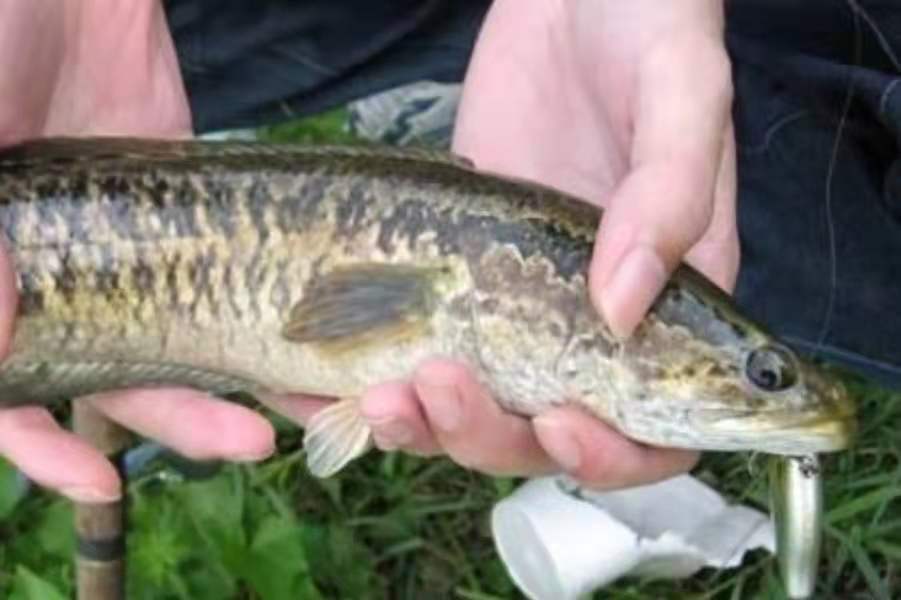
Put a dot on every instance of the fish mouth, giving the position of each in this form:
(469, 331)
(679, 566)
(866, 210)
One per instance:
(837, 427)
(770, 433)
(835, 432)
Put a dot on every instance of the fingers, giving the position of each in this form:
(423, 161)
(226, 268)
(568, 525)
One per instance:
(665, 203)
(391, 409)
(296, 407)
(397, 419)
(601, 458)
(55, 458)
(717, 254)
(472, 428)
(445, 410)
(8, 300)
(35, 443)
(125, 80)
(33, 33)
(192, 423)
(442, 410)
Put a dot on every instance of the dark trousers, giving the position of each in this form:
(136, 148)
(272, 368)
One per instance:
(820, 221)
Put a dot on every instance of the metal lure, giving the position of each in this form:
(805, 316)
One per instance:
(796, 495)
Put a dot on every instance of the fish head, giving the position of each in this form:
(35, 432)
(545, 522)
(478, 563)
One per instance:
(725, 382)
(791, 404)
(763, 397)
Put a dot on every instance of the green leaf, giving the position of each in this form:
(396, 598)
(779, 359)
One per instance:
(156, 554)
(889, 550)
(216, 507)
(868, 569)
(276, 565)
(503, 487)
(28, 586)
(861, 504)
(12, 489)
(56, 532)
(328, 127)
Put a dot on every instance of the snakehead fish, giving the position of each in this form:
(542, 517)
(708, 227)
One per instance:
(271, 269)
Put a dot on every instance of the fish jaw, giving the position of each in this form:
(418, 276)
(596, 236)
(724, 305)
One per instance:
(783, 436)
(817, 417)
(742, 433)
(827, 425)
(821, 418)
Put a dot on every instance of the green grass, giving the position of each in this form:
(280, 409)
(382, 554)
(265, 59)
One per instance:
(395, 526)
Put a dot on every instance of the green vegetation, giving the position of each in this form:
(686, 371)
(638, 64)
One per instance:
(394, 526)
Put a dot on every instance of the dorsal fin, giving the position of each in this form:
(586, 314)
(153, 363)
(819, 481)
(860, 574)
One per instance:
(64, 151)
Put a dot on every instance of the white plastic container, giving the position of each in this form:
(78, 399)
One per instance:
(561, 542)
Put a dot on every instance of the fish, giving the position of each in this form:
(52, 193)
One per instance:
(265, 268)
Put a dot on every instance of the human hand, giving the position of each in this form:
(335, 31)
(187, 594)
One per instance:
(101, 67)
(626, 104)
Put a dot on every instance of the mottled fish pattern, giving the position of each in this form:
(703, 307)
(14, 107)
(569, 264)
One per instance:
(270, 269)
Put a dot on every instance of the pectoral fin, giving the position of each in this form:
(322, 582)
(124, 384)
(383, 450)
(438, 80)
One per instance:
(335, 436)
(358, 305)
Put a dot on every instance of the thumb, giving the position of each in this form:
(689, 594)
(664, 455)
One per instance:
(665, 203)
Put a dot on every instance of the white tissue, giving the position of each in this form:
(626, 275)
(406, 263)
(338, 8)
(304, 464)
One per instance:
(560, 542)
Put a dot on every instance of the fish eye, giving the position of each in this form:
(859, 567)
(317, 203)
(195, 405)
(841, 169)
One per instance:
(771, 368)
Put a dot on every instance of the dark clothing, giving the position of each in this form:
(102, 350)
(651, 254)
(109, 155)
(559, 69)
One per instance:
(247, 64)
(797, 66)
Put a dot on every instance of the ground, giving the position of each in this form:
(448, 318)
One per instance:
(394, 526)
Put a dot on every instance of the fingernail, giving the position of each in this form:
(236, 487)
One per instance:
(89, 495)
(391, 434)
(442, 404)
(558, 443)
(634, 286)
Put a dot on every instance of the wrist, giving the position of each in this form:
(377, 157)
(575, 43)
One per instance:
(119, 73)
(31, 45)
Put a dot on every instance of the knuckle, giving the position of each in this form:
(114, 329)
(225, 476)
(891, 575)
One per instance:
(719, 72)
(710, 54)
(712, 66)
(481, 460)
(394, 434)
(599, 472)
(468, 459)
(699, 56)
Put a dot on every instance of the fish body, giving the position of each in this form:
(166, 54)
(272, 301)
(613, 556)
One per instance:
(291, 269)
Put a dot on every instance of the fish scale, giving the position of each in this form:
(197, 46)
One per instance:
(233, 266)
